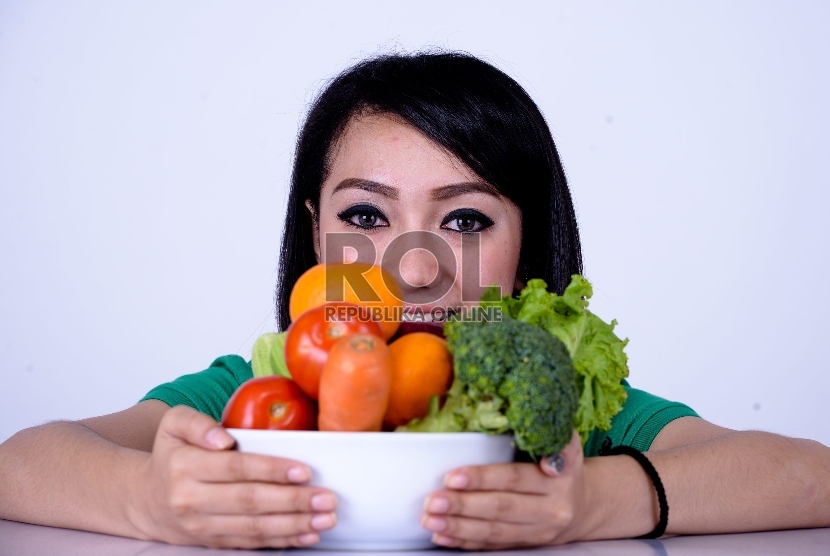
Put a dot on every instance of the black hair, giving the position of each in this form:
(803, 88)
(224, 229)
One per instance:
(470, 108)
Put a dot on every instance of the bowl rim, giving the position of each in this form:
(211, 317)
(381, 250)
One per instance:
(400, 437)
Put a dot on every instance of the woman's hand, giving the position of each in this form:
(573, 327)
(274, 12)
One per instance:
(516, 504)
(194, 490)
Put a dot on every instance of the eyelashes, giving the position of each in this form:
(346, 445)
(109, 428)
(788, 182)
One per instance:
(368, 217)
(466, 221)
(364, 216)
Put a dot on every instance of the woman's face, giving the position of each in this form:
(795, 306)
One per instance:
(386, 179)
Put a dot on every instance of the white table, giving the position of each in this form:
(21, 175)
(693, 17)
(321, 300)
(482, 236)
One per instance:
(21, 539)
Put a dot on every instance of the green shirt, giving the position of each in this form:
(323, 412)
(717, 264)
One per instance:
(642, 417)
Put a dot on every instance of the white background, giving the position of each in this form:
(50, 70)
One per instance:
(145, 149)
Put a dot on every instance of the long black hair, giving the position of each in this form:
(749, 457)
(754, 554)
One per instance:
(470, 108)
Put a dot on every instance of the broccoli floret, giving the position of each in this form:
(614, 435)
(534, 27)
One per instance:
(541, 391)
(509, 375)
(482, 352)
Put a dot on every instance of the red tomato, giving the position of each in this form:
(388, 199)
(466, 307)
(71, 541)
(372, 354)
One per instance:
(311, 336)
(270, 402)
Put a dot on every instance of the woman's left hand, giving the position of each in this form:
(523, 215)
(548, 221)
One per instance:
(509, 505)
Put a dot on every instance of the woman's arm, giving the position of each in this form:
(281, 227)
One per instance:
(740, 481)
(46, 472)
(716, 481)
(191, 489)
(134, 427)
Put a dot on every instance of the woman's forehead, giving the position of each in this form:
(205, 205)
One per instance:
(384, 149)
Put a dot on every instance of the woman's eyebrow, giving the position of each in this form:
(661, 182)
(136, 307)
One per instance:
(455, 189)
(367, 185)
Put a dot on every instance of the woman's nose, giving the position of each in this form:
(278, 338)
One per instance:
(425, 277)
(424, 265)
(418, 268)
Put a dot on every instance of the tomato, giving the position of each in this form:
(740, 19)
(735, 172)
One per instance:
(312, 334)
(270, 402)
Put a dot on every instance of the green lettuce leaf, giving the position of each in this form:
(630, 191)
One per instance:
(268, 357)
(464, 410)
(596, 351)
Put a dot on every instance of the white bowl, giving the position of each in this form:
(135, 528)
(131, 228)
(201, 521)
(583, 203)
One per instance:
(380, 478)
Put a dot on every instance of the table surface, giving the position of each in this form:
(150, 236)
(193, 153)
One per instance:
(21, 539)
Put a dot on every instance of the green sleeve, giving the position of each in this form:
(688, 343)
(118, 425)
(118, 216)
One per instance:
(642, 417)
(207, 391)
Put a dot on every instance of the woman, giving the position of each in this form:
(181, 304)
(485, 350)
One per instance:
(447, 144)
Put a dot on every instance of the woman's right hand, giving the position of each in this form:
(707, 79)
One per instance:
(195, 490)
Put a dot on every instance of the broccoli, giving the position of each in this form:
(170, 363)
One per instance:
(509, 375)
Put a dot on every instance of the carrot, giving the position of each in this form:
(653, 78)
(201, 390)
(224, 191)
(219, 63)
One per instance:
(355, 384)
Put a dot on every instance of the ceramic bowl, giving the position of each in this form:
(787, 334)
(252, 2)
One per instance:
(380, 478)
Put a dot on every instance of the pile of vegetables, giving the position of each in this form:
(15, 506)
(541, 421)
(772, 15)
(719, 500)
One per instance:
(333, 367)
(546, 367)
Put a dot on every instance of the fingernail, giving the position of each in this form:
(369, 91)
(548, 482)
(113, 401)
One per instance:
(437, 505)
(298, 474)
(308, 538)
(323, 502)
(432, 523)
(323, 522)
(442, 540)
(556, 463)
(456, 480)
(219, 439)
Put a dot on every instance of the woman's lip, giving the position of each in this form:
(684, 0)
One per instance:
(426, 313)
(417, 317)
(434, 313)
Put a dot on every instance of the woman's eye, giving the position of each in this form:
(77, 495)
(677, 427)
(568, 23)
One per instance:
(466, 221)
(363, 216)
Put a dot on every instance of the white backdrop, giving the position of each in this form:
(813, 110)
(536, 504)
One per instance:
(145, 149)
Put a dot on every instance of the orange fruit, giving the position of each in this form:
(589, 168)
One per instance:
(421, 368)
(378, 290)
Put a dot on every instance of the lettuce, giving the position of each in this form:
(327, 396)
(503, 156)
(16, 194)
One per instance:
(597, 353)
(268, 357)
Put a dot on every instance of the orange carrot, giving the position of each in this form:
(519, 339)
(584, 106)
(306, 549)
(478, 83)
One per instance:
(355, 384)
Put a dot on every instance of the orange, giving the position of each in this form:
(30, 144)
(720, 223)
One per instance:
(421, 368)
(324, 283)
